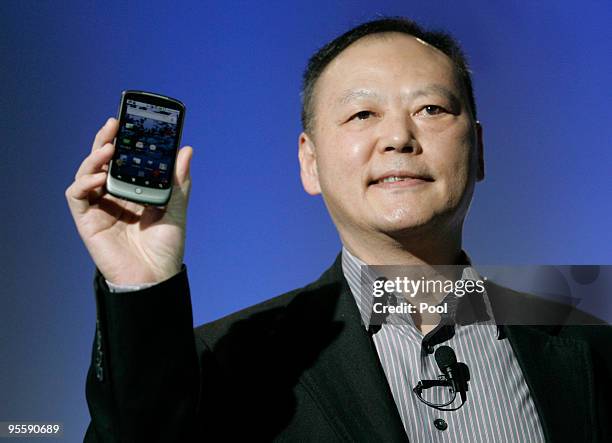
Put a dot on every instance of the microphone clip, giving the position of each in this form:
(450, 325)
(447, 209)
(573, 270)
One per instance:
(455, 376)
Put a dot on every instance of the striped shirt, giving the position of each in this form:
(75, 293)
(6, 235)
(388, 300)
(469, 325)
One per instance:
(499, 407)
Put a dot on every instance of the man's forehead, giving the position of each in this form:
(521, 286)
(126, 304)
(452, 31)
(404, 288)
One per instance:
(361, 64)
(378, 41)
(373, 52)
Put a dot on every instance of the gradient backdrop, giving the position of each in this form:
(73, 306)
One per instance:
(542, 78)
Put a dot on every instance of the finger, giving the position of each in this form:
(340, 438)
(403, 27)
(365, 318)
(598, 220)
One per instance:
(95, 161)
(106, 134)
(77, 193)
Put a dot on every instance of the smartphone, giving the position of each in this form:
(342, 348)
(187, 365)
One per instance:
(149, 135)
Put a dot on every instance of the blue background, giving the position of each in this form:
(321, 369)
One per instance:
(542, 75)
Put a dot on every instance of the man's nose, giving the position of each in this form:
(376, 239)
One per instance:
(397, 133)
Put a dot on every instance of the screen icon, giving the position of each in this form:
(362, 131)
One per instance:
(139, 144)
(121, 160)
(136, 160)
(163, 166)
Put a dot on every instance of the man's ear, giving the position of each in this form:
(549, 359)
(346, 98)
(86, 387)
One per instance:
(480, 175)
(308, 165)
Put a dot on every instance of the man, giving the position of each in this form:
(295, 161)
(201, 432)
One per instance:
(392, 143)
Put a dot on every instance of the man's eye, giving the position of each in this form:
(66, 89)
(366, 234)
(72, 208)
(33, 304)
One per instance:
(433, 110)
(362, 115)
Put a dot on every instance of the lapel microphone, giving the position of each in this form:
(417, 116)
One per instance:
(455, 376)
(457, 373)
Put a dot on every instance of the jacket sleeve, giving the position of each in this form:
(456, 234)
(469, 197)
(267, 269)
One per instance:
(143, 381)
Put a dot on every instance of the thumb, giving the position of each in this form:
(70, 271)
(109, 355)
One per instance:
(182, 172)
(177, 206)
(182, 182)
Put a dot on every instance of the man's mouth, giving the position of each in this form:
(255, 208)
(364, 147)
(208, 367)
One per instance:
(409, 178)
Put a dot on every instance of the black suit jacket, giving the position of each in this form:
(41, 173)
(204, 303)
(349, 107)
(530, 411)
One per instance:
(301, 367)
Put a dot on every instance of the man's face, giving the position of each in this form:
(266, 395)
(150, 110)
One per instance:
(394, 147)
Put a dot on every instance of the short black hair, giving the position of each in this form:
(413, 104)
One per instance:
(439, 39)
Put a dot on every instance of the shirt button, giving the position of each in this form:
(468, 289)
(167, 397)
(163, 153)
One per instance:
(440, 424)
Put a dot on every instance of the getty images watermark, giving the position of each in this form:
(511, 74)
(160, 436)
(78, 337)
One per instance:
(423, 288)
(506, 295)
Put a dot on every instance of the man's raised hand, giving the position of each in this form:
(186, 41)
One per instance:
(130, 243)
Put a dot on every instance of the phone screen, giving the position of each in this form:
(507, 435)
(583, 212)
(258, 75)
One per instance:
(146, 144)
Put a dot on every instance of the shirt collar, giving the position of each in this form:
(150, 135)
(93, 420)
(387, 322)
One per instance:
(357, 273)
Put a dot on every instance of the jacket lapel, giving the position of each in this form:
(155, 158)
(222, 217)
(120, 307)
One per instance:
(557, 369)
(347, 380)
(559, 374)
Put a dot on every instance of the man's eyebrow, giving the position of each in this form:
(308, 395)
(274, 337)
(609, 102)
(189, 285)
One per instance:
(358, 94)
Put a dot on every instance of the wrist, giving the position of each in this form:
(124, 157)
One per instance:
(135, 282)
